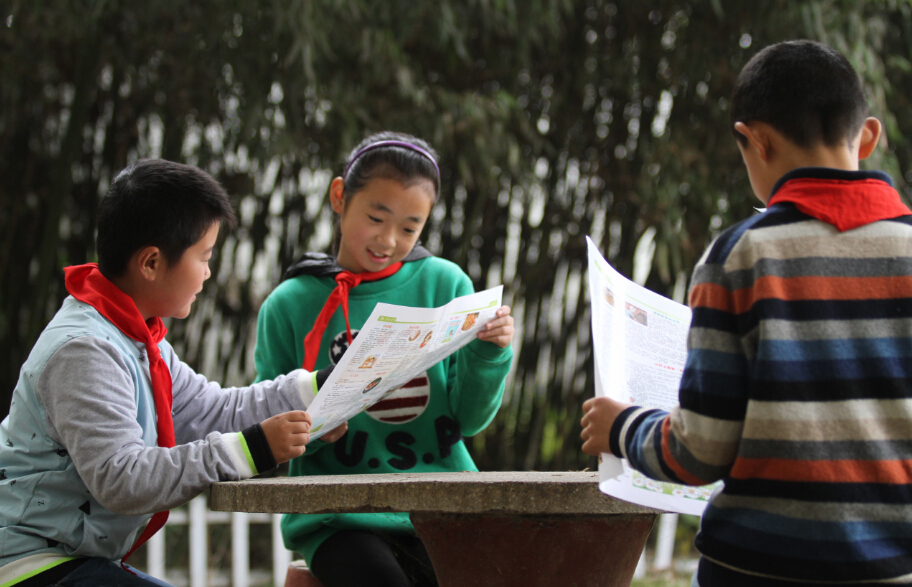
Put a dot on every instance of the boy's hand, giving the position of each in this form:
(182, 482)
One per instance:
(287, 434)
(599, 414)
(336, 433)
(500, 329)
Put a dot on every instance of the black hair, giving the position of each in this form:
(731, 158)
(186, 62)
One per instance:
(158, 203)
(398, 163)
(395, 162)
(806, 90)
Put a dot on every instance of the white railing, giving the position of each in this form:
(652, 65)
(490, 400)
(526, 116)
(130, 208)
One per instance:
(199, 518)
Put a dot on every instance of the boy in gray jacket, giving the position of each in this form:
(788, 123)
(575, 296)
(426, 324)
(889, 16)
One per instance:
(107, 426)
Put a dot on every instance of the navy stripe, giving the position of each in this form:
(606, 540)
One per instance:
(828, 389)
(711, 574)
(831, 309)
(703, 317)
(719, 407)
(802, 569)
(835, 548)
(889, 367)
(819, 492)
(614, 435)
(830, 173)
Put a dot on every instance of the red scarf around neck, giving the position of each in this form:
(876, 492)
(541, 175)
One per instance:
(346, 280)
(87, 284)
(845, 204)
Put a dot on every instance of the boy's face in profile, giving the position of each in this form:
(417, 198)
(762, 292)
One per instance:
(176, 291)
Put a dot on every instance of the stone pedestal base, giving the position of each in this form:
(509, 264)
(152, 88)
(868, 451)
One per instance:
(532, 551)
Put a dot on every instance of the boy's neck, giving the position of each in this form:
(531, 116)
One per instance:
(126, 284)
(792, 157)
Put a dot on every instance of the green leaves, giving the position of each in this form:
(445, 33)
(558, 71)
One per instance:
(554, 119)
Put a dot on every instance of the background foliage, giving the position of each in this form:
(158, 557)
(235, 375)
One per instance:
(555, 119)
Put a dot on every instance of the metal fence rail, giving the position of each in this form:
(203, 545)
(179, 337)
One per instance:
(199, 518)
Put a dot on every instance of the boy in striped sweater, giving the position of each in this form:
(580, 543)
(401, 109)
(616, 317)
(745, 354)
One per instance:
(797, 391)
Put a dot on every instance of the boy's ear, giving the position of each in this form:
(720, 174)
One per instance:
(337, 195)
(757, 136)
(150, 262)
(869, 137)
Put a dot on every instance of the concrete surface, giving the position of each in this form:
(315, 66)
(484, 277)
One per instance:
(514, 493)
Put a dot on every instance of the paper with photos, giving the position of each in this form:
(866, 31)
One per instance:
(394, 345)
(640, 344)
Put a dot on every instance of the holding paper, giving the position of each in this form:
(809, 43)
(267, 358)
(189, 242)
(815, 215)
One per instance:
(394, 345)
(640, 344)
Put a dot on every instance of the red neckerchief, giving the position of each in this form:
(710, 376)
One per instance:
(87, 284)
(845, 204)
(345, 280)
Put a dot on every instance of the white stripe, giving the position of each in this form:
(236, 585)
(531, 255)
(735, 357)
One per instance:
(233, 443)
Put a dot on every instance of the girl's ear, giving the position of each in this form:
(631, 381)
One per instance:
(337, 195)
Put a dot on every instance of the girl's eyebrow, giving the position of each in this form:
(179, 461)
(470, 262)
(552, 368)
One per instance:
(382, 208)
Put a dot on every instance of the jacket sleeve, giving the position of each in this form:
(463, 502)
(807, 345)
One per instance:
(201, 406)
(476, 376)
(91, 400)
(697, 442)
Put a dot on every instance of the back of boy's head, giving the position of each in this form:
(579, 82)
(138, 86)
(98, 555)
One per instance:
(396, 162)
(158, 203)
(805, 90)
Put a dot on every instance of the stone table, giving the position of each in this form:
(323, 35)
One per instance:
(497, 529)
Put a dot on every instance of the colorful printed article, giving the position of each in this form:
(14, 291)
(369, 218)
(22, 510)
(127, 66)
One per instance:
(394, 345)
(640, 343)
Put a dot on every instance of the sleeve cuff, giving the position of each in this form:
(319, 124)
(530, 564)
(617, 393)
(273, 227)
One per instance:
(257, 450)
(490, 352)
(625, 425)
(307, 387)
(240, 456)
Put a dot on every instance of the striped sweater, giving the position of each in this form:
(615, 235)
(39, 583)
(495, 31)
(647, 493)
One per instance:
(797, 391)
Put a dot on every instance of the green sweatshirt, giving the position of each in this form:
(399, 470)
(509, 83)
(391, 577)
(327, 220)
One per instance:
(420, 427)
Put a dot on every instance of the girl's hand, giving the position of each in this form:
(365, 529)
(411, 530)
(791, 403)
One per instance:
(500, 329)
(599, 416)
(336, 433)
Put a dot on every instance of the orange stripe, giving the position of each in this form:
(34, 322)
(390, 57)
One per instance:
(821, 288)
(710, 295)
(836, 471)
(682, 474)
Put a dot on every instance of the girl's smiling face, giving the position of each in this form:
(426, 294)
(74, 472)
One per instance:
(380, 223)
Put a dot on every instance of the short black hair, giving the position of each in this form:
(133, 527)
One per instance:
(158, 203)
(806, 90)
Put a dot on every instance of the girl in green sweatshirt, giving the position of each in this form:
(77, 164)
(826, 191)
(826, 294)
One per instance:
(383, 199)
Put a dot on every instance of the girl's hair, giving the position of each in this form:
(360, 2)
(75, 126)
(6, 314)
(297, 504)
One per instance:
(391, 161)
(407, 164)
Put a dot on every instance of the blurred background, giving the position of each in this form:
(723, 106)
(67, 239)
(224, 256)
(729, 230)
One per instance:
(554, 119)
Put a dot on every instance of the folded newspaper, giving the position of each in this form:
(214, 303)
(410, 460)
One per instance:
(640, 344)
(394, 345)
